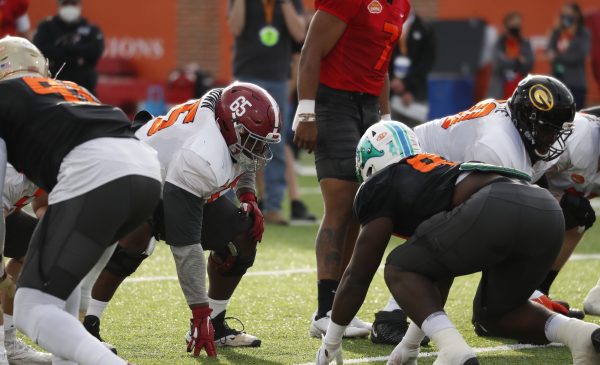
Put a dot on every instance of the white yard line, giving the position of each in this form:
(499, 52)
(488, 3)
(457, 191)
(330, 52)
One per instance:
(308, 270)
(430, 354)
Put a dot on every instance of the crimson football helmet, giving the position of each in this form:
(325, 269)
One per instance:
(249, 120)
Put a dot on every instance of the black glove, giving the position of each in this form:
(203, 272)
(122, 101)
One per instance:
(577, 210)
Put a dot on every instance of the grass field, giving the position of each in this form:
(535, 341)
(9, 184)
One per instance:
(148, 317)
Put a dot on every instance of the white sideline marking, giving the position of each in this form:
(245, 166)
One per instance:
(308, 270)
(250, 273)
(479, 350)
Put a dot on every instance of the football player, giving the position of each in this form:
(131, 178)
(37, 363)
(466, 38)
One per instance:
(461, 218)
(18, 192)
(527, 133)
(206, 148)
(84, 154)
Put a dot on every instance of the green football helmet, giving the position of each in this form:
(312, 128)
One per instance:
(382, 144)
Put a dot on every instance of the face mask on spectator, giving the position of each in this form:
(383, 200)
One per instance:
(69, 13)
(567, 21)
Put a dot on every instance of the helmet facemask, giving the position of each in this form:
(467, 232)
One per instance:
(545, 140)
(251, 150)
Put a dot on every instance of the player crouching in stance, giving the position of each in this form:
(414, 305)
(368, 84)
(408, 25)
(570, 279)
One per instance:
(206, 148)
(462, 218)
(102, 183)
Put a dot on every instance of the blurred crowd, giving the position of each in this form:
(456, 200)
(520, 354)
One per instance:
(268, 39)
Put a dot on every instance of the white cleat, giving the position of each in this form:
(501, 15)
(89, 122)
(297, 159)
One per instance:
(3, 358)
(591, 304)
(19, 353)
(355, 329)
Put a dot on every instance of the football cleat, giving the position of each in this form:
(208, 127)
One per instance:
(356, 328)
(389, 327)
(227, 336)
(19, 353)
(583, 339)
(3, 358)
(591, 304)
(92, 325)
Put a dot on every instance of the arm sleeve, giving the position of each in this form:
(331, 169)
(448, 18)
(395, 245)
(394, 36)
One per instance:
(343, 9)
(191, 272)
(247, 181)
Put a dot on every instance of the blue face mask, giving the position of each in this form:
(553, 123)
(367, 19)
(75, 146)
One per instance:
(567, 21)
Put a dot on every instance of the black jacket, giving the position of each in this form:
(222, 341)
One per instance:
(420, 47)
(78, 45)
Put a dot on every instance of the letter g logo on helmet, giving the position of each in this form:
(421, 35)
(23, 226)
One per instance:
(541, 97)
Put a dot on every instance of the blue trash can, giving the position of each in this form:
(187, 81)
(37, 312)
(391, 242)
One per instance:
(449, 95)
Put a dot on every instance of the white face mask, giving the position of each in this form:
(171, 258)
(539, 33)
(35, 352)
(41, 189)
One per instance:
(69, 13)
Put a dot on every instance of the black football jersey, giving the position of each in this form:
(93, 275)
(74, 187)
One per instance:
(42, 120)
(409, 192)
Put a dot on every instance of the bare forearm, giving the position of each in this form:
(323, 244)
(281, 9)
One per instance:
(349, 297)
(308, 74)
(384, 97)
(294, 22)
(237, 17)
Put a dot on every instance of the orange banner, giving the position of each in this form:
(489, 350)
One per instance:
(144, 32)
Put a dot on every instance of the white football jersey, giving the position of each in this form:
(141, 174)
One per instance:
(484, 133)
(18, 190)
(577, 167)
(192, 152)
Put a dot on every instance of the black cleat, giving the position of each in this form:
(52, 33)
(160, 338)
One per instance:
(389, 327)
(596, 340)
(300, 214)
(227, 336)
(92, 325)
(472, 361)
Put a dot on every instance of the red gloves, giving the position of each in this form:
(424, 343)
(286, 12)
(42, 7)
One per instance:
(249, 206)
(202, 332)
(552, 305)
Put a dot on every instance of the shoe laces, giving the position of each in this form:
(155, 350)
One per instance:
(226, 330)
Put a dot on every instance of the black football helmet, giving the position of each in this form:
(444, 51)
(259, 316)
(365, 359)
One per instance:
(542, 109)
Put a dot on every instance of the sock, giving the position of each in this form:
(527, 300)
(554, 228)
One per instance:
(453, 347)
(217, 306)
(334, 333)
(43, 317)
(547, 283)
(413, 337)
(96, 308)
(326, 293)
(553, 325)
(10, 332)
(391, 305)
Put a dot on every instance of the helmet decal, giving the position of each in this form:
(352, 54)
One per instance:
(367, 151)
(541, 97)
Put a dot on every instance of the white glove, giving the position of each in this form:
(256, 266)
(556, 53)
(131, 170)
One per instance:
(304, 113)
(403, 355)
(328, 353)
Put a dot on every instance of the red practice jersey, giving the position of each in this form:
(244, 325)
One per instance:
(10, 11)
(359, 60)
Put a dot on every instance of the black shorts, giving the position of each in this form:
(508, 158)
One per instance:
(74, 233)
(510, 232)
(342, 118)
(184, 219)
(19, 229)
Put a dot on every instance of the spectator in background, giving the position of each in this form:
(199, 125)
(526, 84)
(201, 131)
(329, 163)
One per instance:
(263, 32)
(568, 48)
(69, 39)
(14, 19)
(411, 63)
(512, 59)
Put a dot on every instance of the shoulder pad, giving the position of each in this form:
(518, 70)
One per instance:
(504, 171)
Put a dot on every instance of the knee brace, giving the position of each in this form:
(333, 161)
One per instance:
(123, 263)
